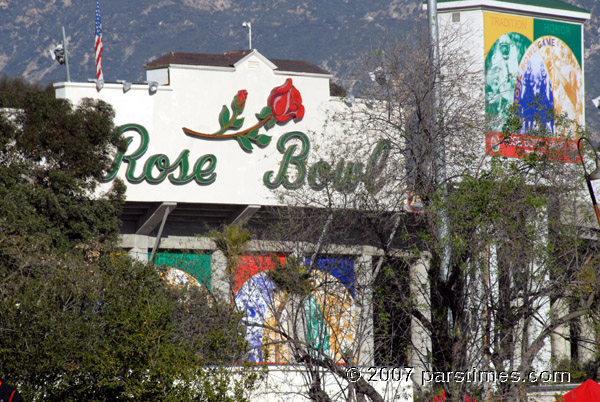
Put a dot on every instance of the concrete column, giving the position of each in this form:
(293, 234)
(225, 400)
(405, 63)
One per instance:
(588, 340)
(363, 313)
(420, 349)
(559, 340)
(139, 251)
(219, 277)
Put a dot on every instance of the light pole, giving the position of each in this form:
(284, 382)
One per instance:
(248, 25)
(60, 54)
(66, 54)
(589, 177)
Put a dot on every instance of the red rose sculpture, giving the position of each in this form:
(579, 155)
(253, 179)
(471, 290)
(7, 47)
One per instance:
(240, 99)
(285, 102)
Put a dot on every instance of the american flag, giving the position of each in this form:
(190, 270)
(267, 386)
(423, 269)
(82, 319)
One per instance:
(99, 75)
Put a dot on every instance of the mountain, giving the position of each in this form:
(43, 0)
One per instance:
(332, 34)
(325, 33)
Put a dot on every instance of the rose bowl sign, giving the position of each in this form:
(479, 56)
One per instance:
(283, 104)
(228, 135)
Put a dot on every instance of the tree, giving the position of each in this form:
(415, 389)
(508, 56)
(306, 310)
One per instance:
(80, 320)
(518, 253)
(394, 145)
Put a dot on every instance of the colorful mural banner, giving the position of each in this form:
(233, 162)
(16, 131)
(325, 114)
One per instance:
(340, 268)
(328, 320)
(521, 145)
(186, 267)
(535, 66)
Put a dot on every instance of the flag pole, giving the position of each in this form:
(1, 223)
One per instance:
(99, 73)
(66, 54)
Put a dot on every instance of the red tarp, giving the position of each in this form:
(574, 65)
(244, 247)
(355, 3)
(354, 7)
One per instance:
(442, 398)
(589, 391)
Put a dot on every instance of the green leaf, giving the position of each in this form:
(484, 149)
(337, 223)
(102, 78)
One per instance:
(234, 107)
(263, 140)
(238, 123)
(224, 116)
(244, 143)
(270, 123)
(252, 134)
(263, 113)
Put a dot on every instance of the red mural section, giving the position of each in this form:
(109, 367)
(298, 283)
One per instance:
(521, 146)
(250, 265)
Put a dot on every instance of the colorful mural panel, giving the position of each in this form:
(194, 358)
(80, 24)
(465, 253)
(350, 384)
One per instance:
(185, 267)
(336, 306)
(257, 299)
(328, 313)
(256, 296)
(535, 65)
(501, 67)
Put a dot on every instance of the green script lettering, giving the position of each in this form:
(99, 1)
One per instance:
(345, 177)
(290, 157)
(158, 167)
(293, 171)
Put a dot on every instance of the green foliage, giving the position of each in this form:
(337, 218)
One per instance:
(50, 157)
(95, 326)
(210, 327)
(293, 277)
(53, 136)
(232, 241)
(79, 320)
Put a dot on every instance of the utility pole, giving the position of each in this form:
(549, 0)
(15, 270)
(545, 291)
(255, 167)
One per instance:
(439, 147)
(440, 143)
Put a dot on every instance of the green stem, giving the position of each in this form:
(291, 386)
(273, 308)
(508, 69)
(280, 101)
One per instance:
(228, 125)
(217, 135)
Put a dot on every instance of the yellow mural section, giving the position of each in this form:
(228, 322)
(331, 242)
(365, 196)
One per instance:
(276, 348)
(337, 306)
(566, 77)
(497, 25)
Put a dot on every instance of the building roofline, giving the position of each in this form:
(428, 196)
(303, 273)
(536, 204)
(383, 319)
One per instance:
(555, 8)
(230, 60)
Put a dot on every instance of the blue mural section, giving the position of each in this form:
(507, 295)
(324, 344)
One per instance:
(255, 297)
(534, 98)
(340, 268)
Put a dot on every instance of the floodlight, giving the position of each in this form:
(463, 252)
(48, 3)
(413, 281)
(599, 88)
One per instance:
(349, 100)
(378, 76)
(152, 87)
(99, 83)
(126, 85)
(58, 54)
